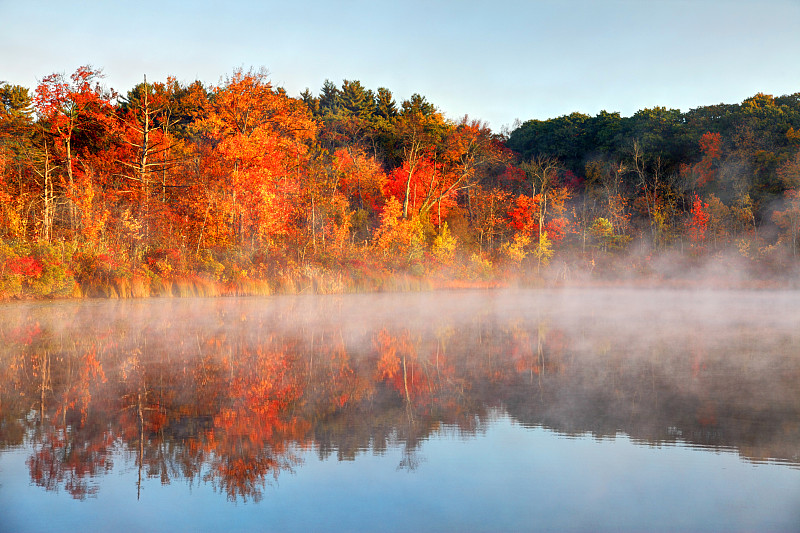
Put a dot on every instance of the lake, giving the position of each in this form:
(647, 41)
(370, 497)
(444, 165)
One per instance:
(503, 410)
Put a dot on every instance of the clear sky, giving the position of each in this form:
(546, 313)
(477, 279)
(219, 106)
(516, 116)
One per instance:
(494, 60)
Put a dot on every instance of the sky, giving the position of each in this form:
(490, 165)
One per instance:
(496, 61)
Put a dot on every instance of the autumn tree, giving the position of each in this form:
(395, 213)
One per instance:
(542, 175)
(606, 190)
(261, 135)
(398, 240)
(530, 213)
(420, 128)
(148, 121)
(711, 146)
(698, 224)
(74, 113)
(362, 180)
(430, 183)
(487, 208)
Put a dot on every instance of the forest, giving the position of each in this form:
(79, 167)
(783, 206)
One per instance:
(178, 189)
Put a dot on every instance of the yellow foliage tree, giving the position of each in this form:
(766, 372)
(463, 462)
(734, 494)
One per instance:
(397, 240)
(444, 245)
(543, 251)
(515, 250)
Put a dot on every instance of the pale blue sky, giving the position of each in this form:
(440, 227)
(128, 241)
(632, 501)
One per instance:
(495, 61)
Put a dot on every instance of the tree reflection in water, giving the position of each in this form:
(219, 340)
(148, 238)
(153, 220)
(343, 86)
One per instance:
(233, 392)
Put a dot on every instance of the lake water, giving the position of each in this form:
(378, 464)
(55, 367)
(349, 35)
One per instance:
(562, 410)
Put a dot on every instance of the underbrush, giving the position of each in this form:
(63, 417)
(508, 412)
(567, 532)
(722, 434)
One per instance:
(34, 271)
(39, 270)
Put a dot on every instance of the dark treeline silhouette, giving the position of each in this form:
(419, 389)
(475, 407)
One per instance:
(177, 189)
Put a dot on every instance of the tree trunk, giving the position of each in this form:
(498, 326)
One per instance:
(70, 187)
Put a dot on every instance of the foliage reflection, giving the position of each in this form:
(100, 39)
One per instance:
(233, 393)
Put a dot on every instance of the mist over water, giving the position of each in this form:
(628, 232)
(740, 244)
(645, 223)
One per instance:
(244, 397)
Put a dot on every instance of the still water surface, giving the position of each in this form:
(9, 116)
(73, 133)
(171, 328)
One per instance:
(581, 410)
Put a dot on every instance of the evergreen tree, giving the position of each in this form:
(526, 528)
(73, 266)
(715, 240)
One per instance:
(385, 106)
(356, 100)
(330, 98)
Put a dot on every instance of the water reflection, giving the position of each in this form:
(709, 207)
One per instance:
(232, 393)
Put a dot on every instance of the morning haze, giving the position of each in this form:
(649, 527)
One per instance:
(348, 291)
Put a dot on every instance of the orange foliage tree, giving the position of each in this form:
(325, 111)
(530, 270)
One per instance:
(261, 137)
(76, 114)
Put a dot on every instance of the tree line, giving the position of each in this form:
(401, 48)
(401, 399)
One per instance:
(178, 188)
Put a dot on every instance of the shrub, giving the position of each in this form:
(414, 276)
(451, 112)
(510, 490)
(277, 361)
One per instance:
(99, 274)
(34, 270)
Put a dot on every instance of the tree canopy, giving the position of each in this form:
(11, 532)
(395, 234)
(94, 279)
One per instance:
(193, 187)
